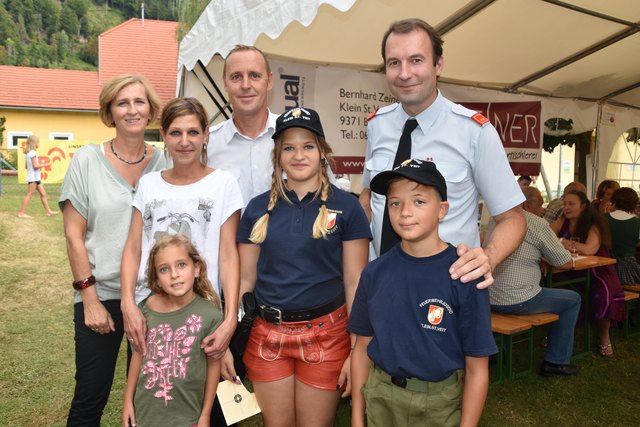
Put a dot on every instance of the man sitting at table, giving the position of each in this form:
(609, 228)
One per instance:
(516, 289)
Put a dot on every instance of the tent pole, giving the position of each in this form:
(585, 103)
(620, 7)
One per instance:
(559, 171)
(183, 80)
(221, 108)
(545, 180)
(213, 83)
(596, 157)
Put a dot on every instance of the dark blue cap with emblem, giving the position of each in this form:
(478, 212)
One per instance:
(420, 171)
(299, 118)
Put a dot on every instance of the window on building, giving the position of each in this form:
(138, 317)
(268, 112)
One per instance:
(61, 136)
(14, 139)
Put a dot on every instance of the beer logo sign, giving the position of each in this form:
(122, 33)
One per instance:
(435, 315)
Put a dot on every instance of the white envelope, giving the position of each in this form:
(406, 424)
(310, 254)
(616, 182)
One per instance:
(237, 402)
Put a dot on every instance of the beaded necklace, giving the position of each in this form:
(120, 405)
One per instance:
(135, 162)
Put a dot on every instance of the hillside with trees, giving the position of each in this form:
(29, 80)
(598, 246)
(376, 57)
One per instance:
(64, 33)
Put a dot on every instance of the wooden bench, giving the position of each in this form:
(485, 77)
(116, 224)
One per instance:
(537, 319)
(510, 329)
(506, 329)
(632, 288)
(630, 298)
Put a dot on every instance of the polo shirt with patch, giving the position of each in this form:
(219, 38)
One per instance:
(296, 271)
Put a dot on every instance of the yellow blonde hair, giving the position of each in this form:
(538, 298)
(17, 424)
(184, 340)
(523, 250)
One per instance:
(111, 89)
(31, 143)
(278, 191)
(201, 285)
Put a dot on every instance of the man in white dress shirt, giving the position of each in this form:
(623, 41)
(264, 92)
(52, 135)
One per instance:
(243, 144)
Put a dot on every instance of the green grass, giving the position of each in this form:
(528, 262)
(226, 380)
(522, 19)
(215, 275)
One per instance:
(36, 332)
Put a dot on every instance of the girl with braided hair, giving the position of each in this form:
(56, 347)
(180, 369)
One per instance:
(302, 246)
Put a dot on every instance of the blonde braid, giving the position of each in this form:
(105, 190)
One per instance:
(259, 230)
(320, 224)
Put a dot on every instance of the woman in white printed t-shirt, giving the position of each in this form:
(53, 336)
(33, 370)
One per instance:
(191, 199)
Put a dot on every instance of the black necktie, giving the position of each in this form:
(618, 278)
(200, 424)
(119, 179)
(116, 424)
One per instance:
(389, 237)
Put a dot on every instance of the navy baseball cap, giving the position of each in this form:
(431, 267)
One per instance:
(420, 171)
(299, 118)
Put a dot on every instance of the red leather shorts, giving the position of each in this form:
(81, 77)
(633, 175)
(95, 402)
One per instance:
(314, 351)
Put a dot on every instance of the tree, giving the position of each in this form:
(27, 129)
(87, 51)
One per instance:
(89, 51)
(3, 120)
(36, 25)
(80, 7)
(159, 9)
(11, 51)
(188, 13)
(69, 21)
(4, 56)
(60, 45)
(22, 29)
(7, 25)
(38, 54)
(22, 59)
(50, 11)
(22, 8)
(85, 27)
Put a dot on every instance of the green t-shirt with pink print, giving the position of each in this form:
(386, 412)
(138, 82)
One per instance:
(170, 389)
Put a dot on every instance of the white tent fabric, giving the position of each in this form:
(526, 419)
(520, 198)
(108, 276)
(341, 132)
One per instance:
(224, 24)
(575, 55)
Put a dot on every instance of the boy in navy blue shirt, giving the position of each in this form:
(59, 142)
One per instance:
(418, 332)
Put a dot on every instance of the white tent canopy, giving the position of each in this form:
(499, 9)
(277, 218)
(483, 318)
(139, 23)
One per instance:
(574, 55)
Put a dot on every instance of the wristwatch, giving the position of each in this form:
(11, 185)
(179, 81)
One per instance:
(85, 283)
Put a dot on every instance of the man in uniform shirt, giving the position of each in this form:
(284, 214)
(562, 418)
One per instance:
(463, 145)
(243, 144)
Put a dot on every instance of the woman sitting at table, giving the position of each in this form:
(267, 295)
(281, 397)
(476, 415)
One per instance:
(580, 219)
(625, 231)
(604, 193)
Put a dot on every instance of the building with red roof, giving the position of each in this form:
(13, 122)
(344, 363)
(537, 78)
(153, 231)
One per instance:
(63, 104)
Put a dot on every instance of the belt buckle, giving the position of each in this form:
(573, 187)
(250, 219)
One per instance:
(399, 381)
(273, 311)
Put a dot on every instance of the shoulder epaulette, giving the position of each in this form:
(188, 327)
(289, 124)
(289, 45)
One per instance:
(479, 118)
(384, 110)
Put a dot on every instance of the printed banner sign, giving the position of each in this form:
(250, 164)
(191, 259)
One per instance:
(59, 154)
(344, 98)
(56, 152)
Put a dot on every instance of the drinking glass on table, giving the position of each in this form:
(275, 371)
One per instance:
(574, 248)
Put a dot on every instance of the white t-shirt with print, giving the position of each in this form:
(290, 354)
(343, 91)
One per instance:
(33, 174)
(195, 210)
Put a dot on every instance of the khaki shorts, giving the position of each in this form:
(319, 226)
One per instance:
(421, 403)
(314, 351)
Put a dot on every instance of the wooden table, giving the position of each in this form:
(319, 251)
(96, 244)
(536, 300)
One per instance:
(585, 264)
